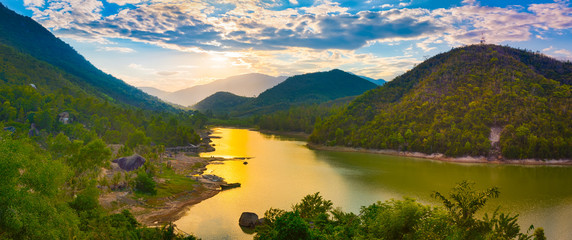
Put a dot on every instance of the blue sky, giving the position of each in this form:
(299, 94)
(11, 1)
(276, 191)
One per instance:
(174, 44)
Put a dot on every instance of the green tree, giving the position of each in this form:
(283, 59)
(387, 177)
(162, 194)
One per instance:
(30, 194)
(464, 202)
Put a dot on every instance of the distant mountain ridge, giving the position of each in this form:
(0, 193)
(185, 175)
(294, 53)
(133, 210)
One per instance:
(300, 89)
(27, 36)
(452, 102)
(247, 85)
(379, 82)
(154, 92)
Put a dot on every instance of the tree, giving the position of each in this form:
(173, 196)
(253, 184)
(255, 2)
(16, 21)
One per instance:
(136, 138)
(464, 202)
(30, 184)
(145, 183)
(312, 206)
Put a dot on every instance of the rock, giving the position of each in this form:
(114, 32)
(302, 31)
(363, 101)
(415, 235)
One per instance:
(130, 163)
(64, 117)
(10, 128)
(261, 221)
(33, 130)
(248, 219)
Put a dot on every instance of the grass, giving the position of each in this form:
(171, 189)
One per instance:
(175, 185)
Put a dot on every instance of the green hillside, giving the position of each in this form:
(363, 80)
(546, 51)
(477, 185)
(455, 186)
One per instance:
(59, 116)
(30, 38)
(449, 104)
(221, 103)
(314, 88)
(306, 89)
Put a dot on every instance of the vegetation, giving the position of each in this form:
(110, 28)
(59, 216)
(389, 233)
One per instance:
(59, 115)
(45, 197)
(315, 218)
(221, 104)
(306, 89)
(300, 118)
(32, 39)
(449, 103)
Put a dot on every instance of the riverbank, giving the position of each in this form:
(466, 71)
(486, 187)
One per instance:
(179, 186)
(441, 157)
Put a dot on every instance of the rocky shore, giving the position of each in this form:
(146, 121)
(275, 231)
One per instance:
(441, 157)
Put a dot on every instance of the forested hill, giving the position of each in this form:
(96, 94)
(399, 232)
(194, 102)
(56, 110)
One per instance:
(221, 103)
(311, 88)
(315, 88)
(450, 103)
(28, 37)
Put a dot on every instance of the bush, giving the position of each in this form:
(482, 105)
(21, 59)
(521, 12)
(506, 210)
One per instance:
(145, 183)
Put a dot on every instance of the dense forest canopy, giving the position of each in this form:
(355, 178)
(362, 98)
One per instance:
(449, 104)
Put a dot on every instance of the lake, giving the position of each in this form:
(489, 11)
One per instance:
(283, 170)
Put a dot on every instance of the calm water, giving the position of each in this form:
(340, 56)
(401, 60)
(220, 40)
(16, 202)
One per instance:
(283, 170)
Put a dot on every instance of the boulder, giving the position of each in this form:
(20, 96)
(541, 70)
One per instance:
(248, 219)
(130, 163)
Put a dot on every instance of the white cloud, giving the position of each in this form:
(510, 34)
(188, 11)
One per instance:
(296, 40)
(116, 49)
(34, 3)
(140, 67)
(123, 2)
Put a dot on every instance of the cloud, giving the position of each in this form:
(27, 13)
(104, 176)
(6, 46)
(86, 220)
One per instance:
(123, 2)
(167, 73)
(277, 38)
(116, 49)
(558, 53)
(34, 3)
(140, 67)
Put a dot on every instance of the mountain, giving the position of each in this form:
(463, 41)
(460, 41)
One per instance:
(154, 92)
(303, 89)
(28, 37)
(313, 88)
(378, 82)
(86, 106)
(479, 100)
(248, 85)
(221, 103)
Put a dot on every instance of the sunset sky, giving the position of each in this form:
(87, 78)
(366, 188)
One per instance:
(174, 44)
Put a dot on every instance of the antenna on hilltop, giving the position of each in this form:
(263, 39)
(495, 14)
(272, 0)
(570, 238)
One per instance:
(483, 38)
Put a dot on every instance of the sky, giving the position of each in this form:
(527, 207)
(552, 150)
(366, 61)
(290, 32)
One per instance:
(176, 44)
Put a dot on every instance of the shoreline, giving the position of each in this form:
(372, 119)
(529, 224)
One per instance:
(442, 157)
(160, 211)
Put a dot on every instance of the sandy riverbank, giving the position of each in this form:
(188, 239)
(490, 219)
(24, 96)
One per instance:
(441, 157)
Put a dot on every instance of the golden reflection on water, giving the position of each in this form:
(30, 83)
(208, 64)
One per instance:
(282, 171)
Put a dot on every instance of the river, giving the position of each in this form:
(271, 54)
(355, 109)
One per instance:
(283, 170)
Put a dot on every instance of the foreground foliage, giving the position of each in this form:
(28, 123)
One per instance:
(315, 218)
(42, 198)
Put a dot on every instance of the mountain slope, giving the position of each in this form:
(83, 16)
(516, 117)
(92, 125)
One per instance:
(247, 85)
(301, 90)
(378, 82)
(154, 92)
(452, 102)
(29, 37)
(221, 103)
(313, 88)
